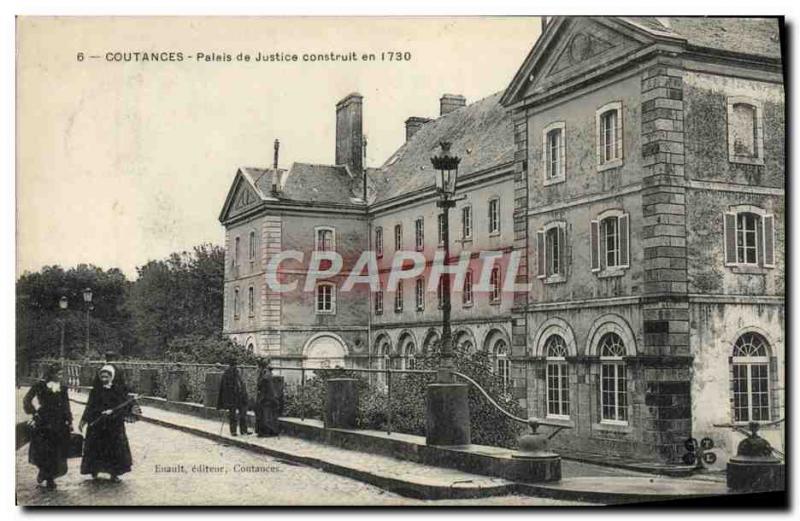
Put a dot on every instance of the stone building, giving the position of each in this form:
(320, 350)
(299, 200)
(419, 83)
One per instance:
(636, 166)
(308, 208)
(650, 168)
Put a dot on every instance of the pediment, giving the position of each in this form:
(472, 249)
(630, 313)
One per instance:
(241, 198)
(572, 48)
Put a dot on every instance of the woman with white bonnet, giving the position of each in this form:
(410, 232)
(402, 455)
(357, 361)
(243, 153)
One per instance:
(106, 449)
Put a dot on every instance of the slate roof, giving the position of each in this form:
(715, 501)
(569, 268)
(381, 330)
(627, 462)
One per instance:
(755, 36)
(481, 133)
(309, 183)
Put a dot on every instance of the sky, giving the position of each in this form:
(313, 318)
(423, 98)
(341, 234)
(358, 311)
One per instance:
(121, 162)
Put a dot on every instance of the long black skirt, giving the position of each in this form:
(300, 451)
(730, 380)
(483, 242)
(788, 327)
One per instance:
(267, 420)
(48, 451)
(106, 449)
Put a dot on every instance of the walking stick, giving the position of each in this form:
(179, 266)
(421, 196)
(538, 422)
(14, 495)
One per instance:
(113, 410)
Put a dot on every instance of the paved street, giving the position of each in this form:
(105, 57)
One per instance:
(213, 474)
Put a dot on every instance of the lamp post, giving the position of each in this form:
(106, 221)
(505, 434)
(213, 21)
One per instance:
(87, 298)
(447, 166)
(63, 304)
(447, 408)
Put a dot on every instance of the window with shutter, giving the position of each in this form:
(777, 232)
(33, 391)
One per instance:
(595, 245)
(623, 241)
(730, 239)
(769, 241)
(540, 254)
(609, 137)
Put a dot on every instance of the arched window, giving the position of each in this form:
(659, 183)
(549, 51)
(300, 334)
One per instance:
(613, 383)
(236, 303)
(750, 366)
(609, 135)
(557, 377)
(325, 238)
(502, 364)
(410, 353)
(252, 246)
(749, 237)
(745, 131)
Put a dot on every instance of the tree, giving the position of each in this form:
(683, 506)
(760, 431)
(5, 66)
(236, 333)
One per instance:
(177, 297)
(39, 317)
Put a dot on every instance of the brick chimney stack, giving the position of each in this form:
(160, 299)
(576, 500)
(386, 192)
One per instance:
(349, 133)
(450, 102)
(413, 124)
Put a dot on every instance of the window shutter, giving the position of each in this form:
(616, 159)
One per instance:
(540, 254)
(623, 240)
(544, 155)
(769, 241)
(561, 249)
(563, 152)
(620, 133)
(595, 240)
(730, 238)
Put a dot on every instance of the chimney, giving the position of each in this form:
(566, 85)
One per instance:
(349, 133)
(413, 124)
(450, 102)
(276, 181)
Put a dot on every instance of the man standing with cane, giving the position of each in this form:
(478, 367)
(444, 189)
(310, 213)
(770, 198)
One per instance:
(233, 397)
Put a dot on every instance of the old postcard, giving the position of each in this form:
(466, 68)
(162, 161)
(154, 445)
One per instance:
(506, 261)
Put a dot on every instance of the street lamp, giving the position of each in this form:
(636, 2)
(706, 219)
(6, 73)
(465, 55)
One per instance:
(87, 298)
(447, 406)
(447, 166)
(63, 303)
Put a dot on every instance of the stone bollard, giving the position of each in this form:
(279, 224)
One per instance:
(341, 403)
(532, 462)
(211, 389)
(147, 381)
(447, 415)
(176, 388)
(754, 468)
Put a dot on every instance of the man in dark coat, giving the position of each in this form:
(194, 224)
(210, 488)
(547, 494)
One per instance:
(233, 397)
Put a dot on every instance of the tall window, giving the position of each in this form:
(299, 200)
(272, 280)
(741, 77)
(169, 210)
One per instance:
(236, 251)
(613, 383)
(440, 292)
(553, 148)
(398, 297)
(466, 294)
(750, 378)
(749, 237)
(494, 285)
(466, 222)
(251, 302)
(419, 292)
(379, 302)
(745, 131)
(410, 353)
(609, 135)
(252, 245)
(557, 377)
(610, 241)
(398, 237)
(440, 227)
(326, 298)
(419, 234)
(325, 239)
(379, 242)
(494, 216)
(236, 303)
(553, 243)
(502, 364)
(609, 231)
(746, 237)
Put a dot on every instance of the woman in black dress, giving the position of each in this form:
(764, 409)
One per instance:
(268, 403)
(106, 448)
(52, 421)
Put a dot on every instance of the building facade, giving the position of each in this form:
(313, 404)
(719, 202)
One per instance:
(635, 167)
